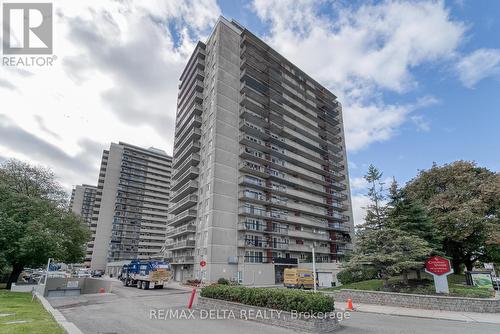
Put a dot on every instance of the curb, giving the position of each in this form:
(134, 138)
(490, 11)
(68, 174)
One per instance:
(464, 318)
(68, 327)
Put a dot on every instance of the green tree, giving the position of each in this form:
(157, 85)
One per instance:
(35, 224)
(463, 202)
(408, 215)
(383, 247)
(389, 252)
(376, 211)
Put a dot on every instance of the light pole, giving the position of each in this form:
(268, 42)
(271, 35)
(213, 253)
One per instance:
(314, 267)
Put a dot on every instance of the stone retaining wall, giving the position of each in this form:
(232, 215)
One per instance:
(443, 303)
(281, 319)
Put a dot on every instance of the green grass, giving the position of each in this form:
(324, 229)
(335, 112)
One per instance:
(423, 287)
(20, 304)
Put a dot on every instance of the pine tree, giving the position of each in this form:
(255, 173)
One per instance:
(376, 211)
(409, 216)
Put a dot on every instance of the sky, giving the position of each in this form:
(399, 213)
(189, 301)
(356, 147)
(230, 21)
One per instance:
(419, 81)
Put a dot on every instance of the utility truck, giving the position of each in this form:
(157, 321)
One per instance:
(146, 274)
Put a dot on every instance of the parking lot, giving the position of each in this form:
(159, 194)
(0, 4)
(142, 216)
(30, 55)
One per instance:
(127, 310)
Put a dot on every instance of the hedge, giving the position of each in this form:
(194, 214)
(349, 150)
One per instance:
(279, 299)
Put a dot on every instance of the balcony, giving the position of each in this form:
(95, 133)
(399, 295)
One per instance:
(184, 204)
(183, 217)
(186, 189)
(176, 232)
(179, 179)
(180, 245)
(263, 229)
(181, 165)
(193, 136)
(308, 235)
(185, 259)
(263, 244)
(193, 147)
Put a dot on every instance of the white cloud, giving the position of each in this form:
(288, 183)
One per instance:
(115, 79)
(359, 204)
(362, 52)
(358, 183)
(478, 65)
(421, 123)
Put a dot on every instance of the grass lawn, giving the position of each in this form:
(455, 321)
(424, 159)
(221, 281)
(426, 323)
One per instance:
(21, 307)
(424, 287)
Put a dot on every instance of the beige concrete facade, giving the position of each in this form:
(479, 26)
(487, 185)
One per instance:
(260, 170)
(131, 205)
(82, 203)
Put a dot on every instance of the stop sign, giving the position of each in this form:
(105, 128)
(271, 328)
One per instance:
(203, 263)
(438, 265)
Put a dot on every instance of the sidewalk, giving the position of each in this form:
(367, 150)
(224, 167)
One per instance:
(493, 318)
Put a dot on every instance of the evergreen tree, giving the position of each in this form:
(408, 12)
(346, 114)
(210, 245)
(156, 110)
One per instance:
(408, 215)
(376, 211)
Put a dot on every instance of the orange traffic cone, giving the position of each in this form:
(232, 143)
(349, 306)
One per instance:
(349, 305)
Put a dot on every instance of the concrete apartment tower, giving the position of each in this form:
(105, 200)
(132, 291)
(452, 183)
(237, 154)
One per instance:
(82, 203)
(260, 171)
(131, 204)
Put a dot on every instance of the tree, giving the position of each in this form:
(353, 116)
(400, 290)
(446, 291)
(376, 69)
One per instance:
(376, 212)
(34, 226)
(408, 215)
(463, 202)
(32, 181)
(389, 252)
(383, 247)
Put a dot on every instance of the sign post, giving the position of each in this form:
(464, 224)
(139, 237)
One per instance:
(439, 268)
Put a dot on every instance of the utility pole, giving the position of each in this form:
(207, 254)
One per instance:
(314, 267)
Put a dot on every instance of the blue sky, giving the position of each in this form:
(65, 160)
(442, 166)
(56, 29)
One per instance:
(419, 81)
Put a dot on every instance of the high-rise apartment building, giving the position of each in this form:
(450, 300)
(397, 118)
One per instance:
(131, 204)
(82, 203)
(260, 171)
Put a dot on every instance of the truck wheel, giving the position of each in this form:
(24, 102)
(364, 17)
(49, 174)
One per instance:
(145, 285)
(139, 285)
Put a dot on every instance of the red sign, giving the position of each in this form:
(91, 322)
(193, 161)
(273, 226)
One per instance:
(203, 263)
(438, 265)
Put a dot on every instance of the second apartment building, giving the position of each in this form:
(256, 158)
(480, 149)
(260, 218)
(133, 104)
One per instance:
(131, 204)
(260, 171)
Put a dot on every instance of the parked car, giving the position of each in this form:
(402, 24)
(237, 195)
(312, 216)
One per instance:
(97, 273)
(496, 283)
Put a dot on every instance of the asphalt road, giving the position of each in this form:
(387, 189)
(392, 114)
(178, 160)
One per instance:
(128, 310)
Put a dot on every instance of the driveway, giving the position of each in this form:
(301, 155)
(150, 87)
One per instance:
(128, 310)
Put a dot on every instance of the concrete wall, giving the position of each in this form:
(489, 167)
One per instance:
(443, 303)
(86, 285)
(107, 209)
(258, 273)
(77, 200)
(222, 233)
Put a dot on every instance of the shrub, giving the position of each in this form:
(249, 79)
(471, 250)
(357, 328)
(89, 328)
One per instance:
(353, 275)
(280, 299)
(193, 282)
(222, 281)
